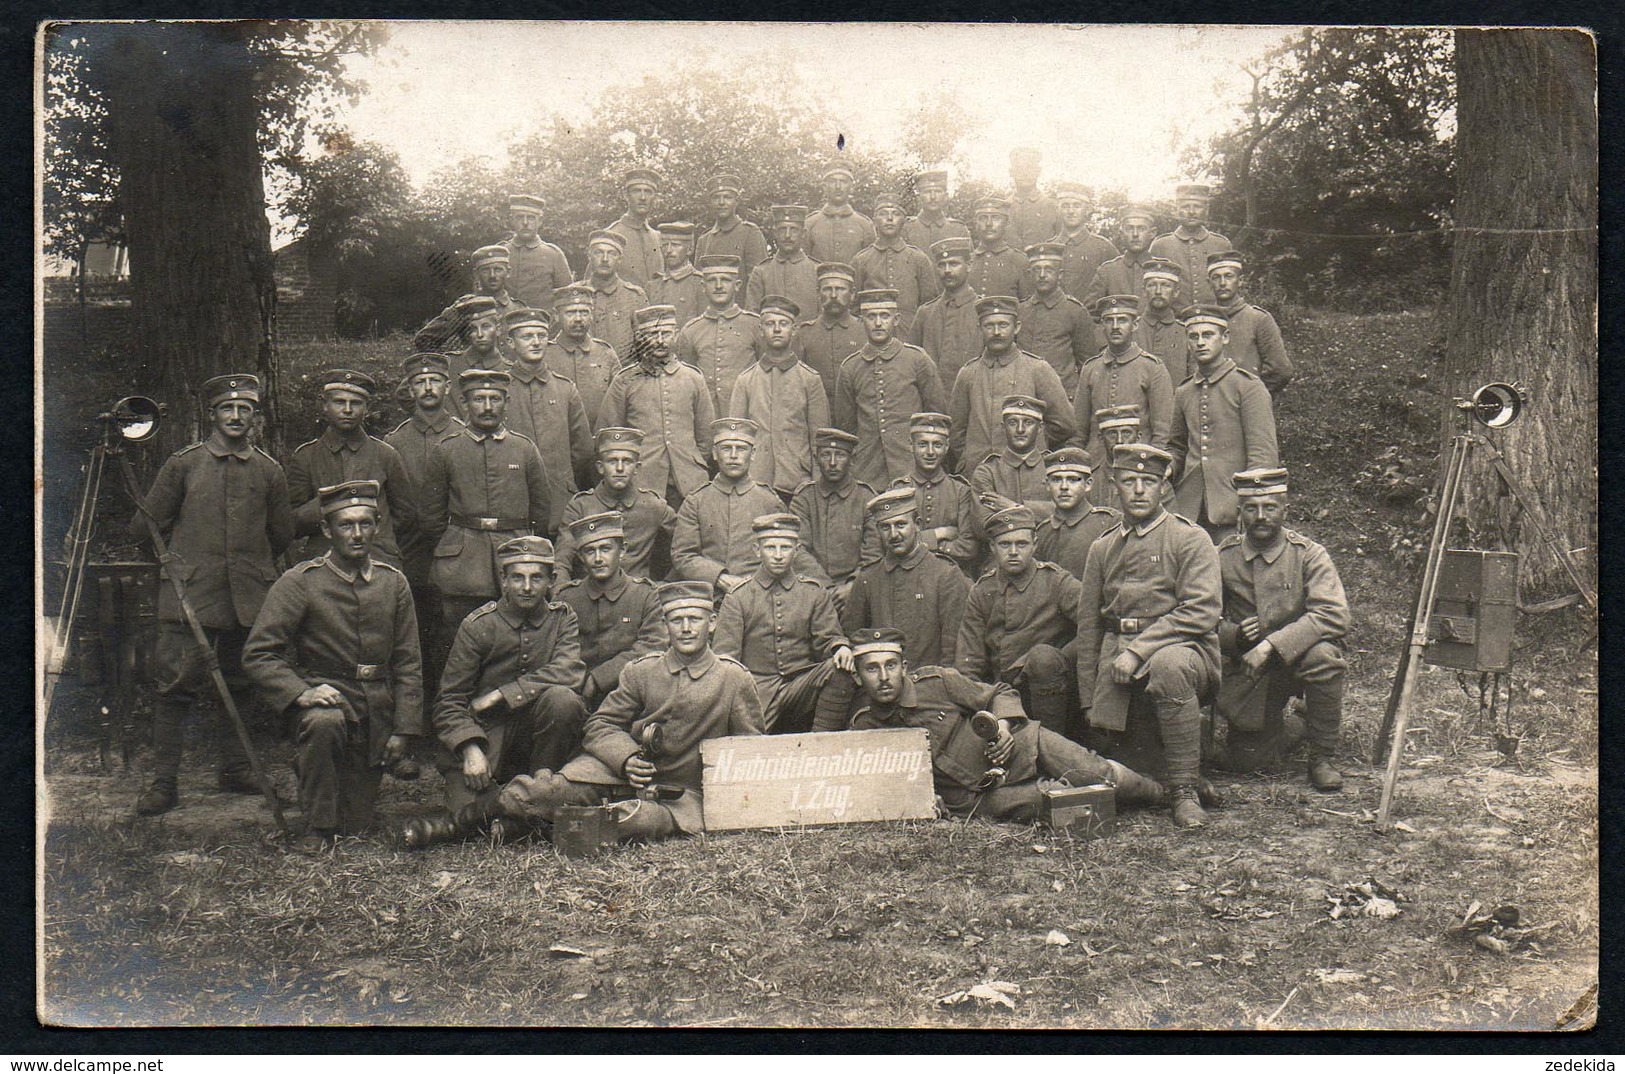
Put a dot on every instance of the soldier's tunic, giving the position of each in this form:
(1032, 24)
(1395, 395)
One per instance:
(672, 405)
(1163, 578)
(1059, 330)
(641, 261)
(482, 490)
(824, 344)
(1122, 275)
(835, 530)
(923, 595)
(1085, 253)
(876, 391)
(1255, 345)
(646, 517)
(784, 630)
(683, 290)
(838, 234)
(713, 697)
(947, 329)
(356, 631)
(946, 500)
(1189, 250)
(1000, 270)
(612, 305)
(536, 271)
(331, 459)
(1064, 540)
(413, 439)
(1114, 380)
(897, 266)
(1163, 337)
(787, 399)
(1005, 618)
(980, 390)
(546, 407)
(795, 278)
(741, 239)
(921, 231)
(721, 344)
(618, 622)
(1295, 591)
(1019, 478)
(1034, 218)
(1222, 425)
(589, 365)
(713, 534)
(535, 662)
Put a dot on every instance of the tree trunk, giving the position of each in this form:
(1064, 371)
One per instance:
(184, 122)
(1523, 286)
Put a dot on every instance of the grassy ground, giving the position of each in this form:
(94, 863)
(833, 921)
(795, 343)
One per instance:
(201, 917)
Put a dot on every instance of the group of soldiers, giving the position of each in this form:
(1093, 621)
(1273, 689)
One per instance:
(921, 477)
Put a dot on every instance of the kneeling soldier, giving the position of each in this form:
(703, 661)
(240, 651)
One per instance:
(507, 703)
(1285, 617)
(1001, 776)
(336, 645)
(690, 692)
(617, 614)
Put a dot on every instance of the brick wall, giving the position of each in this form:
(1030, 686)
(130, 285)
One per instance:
(306, 293)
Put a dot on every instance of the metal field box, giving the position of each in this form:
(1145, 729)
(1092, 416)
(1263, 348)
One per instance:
(1474, 611)
(1086, 811)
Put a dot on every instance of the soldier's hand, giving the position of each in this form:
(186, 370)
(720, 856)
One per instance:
(485, 701)
(321, 696)
(1000, 749)
(1251, 629)
(1255, 659)
(843, 658)
(394, 749)
(640, 771)
(945, 536)
(476, 768)
(1124, 667)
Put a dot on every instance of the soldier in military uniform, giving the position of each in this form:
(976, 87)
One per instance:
(1065, 536)
(1123, 274)
(996, 267)
(222, 507)
(346, 452)
(1222, 424)
(946, 328)
(932, 224)
(544, 406)
(783, 627)
(644, 518)
(490, 266)
(669, 401)
(574, 353)
(1082, 250)
(679, 284)
(1002, 370)
(731, 234)
(834, 528)
(1032, 758)
(712, 541)
(785, 398)
(1123, 374)
(486, 485)
(536, 268)
(1190, 244)
(1015, 473)
(836, 232)
(614, 298)
(1114, 425)
(690, 691)
(1054, 325)
(1158, 331)
(878, 388)
(949, 518)
(1147, 622)
(891, 263)
(1285, 617)
(724, 340)
(791, 271)
(1254, 341)
(478, 328)
(1034, 216)
(834, 335)
(642, 242)
(617, 614)
(1021, 624)
(507, 702)
(335, 647)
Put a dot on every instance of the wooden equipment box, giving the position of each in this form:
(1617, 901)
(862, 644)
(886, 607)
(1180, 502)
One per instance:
(1089, 812)
(1475, 610)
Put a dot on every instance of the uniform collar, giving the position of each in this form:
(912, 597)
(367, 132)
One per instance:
(1031, 199)
(1074, 237)
(845, 320)
(1060, 520)
(839, 492)
(1218, 373)
(714, 314)
(1168, 316)
(908, 561)
(1139, 530)
(985, 249)
(830, 210)
(801, 255)
(723, 486)
(513, 240)
(733, 222)
(349, 576)
(569, 346)
(527, 371)
(1197, 235)
(607, 497)
(220, 449)
(934, 220)
(480, 437)
(1249, 552)
(630, 224)
(767, 581)
(962, 297)
(684, 271)
(664, 369)
(780, 364)
(1020, 585)
(1029, 461)
(1127, 356)
(611, 589)
(674, 664)
(423, 424)
(935, 479)
(895, 246)
(332, 441)
(1051, 300)
(515, 620)
(609, 288)
(1009, 356)
(1237, 306)
(891, 350)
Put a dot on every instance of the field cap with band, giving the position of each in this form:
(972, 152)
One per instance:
(426, 363)
(1159, 268)
(348, 494)
(872, 640)
(778, 524)
(472, 380)
(1204, 315)
(675, 595)
(742, 430)
(1068, 460)
(1107, 305)
(526, 317)
(891, 503)
(1117, 417)
(929, 421)
(526, 550)
(836, 270)
(1227, 259)
(349, 380)
(231, 386)
(1024, 405)
(834, 438)
(995, 305)
(489, 255)
(1261, 481)
(1011, 519)
(599, 527)
(1141, 459)
(606, 238)
(528, 202)
(953, 246)
(650, 316)
(618, 438)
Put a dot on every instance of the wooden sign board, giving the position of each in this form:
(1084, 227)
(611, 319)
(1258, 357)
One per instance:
(830, 777)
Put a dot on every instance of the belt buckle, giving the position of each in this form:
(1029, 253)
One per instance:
(487, 523)
(369, 672)
(1128, 626)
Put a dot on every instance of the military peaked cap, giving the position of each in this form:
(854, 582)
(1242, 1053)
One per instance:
(734, 429)
(834, 438)
(1110, 304)
(996, 304)
(1023, 404)
(1141, 458)
(489, 255)
(618, 438)
(425, 363)
(1068, 460)
(526, 550)
(870, 640)
(349, 380)
(1263, 481)
(674, 595)
(605, 524)
(222, 389)
(348, 494)
(1019, 517)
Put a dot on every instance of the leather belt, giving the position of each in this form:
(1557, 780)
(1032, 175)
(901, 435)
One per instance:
(469, 523)
(353, 672)
(1124, 626)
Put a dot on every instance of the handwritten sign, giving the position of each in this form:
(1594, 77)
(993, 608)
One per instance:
(835, 777)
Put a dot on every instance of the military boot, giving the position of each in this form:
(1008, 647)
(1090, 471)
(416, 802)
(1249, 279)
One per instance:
(1187, 808)
(1134, 789)
(1323, 776)
(158, 798)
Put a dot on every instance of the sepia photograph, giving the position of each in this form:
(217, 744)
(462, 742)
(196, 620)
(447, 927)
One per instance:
(816, 525)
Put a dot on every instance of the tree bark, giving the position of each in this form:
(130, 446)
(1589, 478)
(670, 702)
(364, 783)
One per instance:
(1523, 287)
(184, 124)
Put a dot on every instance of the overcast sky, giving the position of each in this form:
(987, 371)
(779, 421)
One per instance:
(1109, 105)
